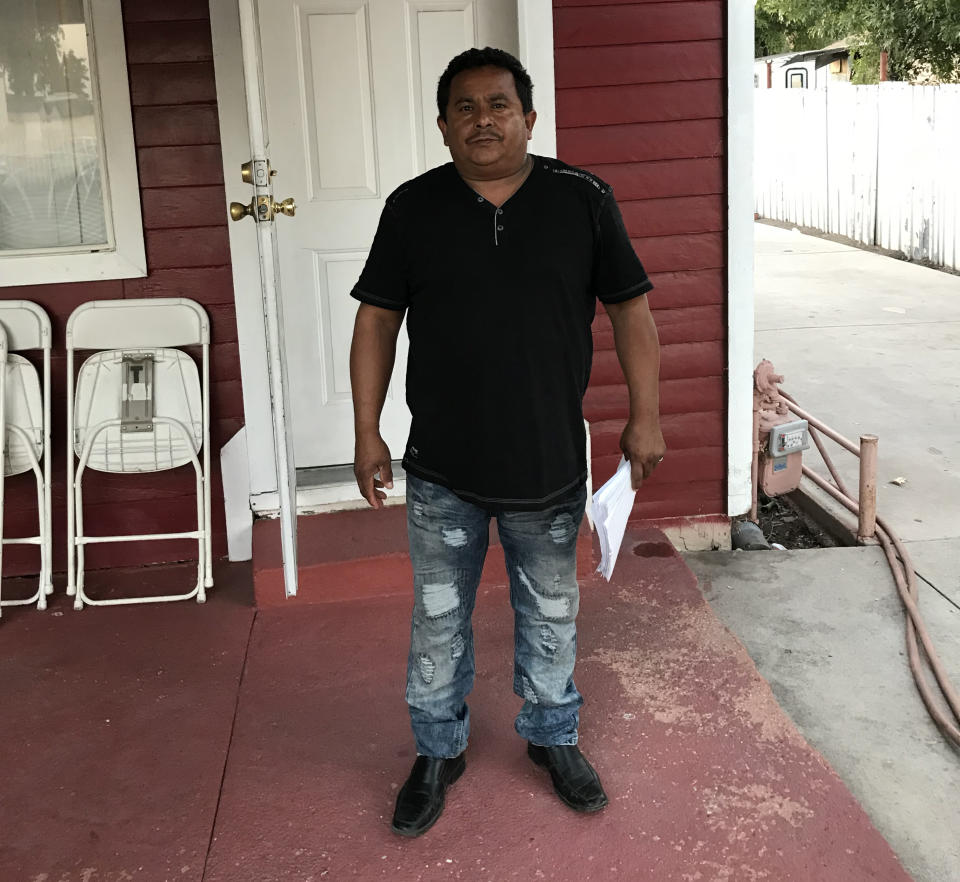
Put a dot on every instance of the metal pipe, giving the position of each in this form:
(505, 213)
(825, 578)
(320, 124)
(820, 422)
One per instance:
(902, 569)
(905, 580)
(813, 421)
(867, 524)
(824, 484)
(828, 462)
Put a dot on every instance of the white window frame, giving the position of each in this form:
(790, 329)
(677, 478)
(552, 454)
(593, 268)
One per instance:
(790, 72)
(109, 87)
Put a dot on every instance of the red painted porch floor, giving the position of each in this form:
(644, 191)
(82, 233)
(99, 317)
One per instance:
(215, 742)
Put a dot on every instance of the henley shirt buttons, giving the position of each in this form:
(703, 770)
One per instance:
(479, 199)
(500, 228)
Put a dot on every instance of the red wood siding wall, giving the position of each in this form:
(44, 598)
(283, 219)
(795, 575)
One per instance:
(640, 102)
(178, 154)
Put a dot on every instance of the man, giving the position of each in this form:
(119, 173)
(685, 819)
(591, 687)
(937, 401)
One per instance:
(497, 259)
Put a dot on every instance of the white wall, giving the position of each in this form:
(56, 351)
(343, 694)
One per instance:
(874, 163)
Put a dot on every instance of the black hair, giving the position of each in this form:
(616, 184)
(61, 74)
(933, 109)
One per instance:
(486, 57)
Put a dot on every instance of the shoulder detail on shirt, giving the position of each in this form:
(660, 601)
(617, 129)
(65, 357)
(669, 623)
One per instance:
(564, 173)
(421, 184)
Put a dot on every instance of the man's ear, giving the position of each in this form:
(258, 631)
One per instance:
(530, 118)
(442, 125)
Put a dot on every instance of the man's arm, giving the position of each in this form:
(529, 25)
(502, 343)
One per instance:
(638, 349)
(372, 355)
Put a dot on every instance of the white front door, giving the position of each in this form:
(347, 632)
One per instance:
(350, 88)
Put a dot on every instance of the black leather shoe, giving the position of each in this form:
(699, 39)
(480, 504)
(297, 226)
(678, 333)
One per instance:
(420, 800)
(574, 779)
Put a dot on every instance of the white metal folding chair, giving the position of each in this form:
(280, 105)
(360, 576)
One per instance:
(25, 427)
(137, 406)
(3, 435)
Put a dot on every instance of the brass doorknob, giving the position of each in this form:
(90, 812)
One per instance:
(262, 209)
(238, 211)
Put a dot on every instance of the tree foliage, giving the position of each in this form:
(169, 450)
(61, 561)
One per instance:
(29, 48)
(31, 56)
(921, 37)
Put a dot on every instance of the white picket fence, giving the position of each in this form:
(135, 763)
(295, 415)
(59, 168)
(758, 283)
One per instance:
(879, 164)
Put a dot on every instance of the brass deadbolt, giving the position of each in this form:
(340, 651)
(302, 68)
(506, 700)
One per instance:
(252, 172)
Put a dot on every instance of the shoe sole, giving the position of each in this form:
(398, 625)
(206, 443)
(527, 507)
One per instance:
(584, 810)
(413, 834)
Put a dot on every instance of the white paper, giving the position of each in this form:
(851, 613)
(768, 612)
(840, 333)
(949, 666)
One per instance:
(612, 505)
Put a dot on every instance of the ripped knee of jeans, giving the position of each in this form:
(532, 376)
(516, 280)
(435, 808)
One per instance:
(440, 598)
(561, 605)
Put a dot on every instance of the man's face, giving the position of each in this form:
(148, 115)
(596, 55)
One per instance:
(486, 128)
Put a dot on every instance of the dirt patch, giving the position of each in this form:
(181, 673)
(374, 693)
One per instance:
(784, 523)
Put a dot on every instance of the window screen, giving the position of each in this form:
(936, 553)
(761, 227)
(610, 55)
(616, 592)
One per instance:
(51, 147)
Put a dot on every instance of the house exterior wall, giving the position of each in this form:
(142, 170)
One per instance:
(177, 138)
(640, 102)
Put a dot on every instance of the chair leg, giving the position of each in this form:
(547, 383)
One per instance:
(47, 478)
(201, 542)
(44, 554)
(208, 541)
(75, 549)
(1, 503)
(48, 538)
(71, 504)
(3, 442)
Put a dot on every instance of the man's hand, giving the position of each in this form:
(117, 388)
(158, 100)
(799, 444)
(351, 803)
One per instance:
(371, 455)
(642, 444)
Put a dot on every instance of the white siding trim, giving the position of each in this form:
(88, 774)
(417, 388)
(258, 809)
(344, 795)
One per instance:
(740, 322)
(535, 32)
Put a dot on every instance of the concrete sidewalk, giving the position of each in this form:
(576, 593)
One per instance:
(869, 344)
(825, 629)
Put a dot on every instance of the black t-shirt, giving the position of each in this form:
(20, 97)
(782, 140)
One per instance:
(500, 303)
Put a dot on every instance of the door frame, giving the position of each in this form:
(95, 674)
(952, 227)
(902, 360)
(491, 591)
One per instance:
(740, 223)
(535, 28)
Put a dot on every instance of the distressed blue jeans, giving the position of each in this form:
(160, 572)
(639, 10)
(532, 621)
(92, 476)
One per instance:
(448, 544)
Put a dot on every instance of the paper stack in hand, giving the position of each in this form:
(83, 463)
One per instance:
(612, 504)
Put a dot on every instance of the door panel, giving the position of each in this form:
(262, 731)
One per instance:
(337, 85)
(350, 92)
